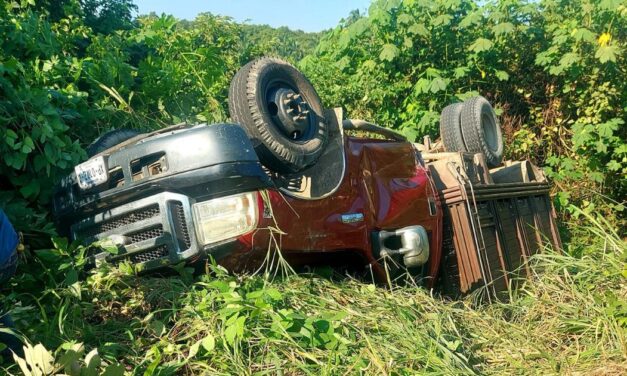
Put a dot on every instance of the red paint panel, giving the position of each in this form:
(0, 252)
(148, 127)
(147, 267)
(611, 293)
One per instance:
(383, 182)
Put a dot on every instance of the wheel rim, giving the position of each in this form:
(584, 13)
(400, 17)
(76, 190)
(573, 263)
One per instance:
(290, 112)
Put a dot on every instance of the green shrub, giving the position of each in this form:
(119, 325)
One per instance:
(37, 101)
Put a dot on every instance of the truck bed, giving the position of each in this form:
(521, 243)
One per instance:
(494, 221)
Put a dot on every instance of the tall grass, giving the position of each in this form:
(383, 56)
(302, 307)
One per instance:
(570, 318)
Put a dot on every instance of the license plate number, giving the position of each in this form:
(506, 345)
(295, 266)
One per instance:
(91, 173)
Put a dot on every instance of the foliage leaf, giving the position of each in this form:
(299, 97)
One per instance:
(502, 75)
(388, 52)
(481, 45)
(418, 29)
(583, 34)
(503, 28)
(471, 19)
(442, 20)
(606, 53)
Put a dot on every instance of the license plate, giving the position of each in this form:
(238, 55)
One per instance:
(91, 173)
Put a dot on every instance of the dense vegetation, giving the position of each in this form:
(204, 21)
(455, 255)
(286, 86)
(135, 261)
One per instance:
(72, 69)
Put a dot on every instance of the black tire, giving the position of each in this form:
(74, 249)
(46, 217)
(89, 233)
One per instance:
(283, 145)
(450, 128)
(109, 140)
(481, 130)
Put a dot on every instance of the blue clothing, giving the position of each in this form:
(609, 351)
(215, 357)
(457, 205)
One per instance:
(8, 239)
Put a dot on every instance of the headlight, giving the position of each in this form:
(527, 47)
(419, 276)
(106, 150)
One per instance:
(226, 217)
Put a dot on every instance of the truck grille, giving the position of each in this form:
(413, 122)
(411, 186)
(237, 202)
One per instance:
(157, 253)
(178, 216)
(119, 221)
(150, 233)
(152, 228)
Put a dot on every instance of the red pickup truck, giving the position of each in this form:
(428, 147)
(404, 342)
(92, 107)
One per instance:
(286, 180)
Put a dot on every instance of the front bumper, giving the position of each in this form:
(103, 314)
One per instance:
(152, 233)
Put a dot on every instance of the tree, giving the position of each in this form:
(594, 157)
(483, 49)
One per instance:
(106, 16)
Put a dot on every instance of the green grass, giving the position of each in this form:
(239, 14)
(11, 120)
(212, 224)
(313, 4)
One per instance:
(572, 318)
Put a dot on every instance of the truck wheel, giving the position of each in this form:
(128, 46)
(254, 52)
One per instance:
(450, 128)
(481, 130)
(281, 112)
(110, 139)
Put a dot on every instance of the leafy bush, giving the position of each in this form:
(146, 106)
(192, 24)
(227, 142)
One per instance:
(38, 99)
(556, 78)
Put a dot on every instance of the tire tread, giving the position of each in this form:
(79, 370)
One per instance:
(244, 107)
(450, 128)
(472, 130)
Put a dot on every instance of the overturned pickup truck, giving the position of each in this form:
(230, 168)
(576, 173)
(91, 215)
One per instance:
(287, 177)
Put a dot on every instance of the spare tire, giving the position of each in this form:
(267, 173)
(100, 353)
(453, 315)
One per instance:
(109, 140)
(450, 128)
(481, 130)
(281, 113)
